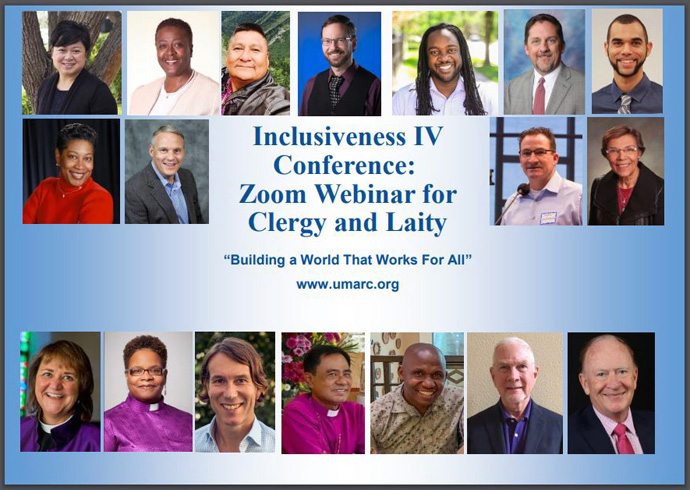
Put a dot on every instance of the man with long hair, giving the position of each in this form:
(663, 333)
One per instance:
(445, 83)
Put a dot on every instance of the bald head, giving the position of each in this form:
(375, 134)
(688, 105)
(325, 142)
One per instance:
(423, 371)
(608, 375)
(413, 352)
(606, 338)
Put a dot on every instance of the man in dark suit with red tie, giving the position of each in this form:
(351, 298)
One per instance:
(608, 375)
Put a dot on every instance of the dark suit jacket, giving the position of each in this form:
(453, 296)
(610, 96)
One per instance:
(147, 202)
(586, 435)
(544, 433)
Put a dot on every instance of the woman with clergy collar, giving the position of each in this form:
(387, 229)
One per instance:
(144, 422)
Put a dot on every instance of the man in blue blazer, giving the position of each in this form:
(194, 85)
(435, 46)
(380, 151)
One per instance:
(516, 424)
(608, 375)
(550, 87)
(162, 192)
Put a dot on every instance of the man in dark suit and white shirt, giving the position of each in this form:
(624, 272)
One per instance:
(516, 424)
(162, 192)
(550, 87)
(608, 375)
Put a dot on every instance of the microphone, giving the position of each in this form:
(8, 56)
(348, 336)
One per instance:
(522, 190)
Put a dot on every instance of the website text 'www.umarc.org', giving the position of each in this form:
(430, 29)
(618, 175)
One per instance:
(350, 285)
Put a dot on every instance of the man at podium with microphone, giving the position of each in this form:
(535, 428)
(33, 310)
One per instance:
(548, 199)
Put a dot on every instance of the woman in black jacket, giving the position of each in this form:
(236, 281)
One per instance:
(630, 193)
(72, 89)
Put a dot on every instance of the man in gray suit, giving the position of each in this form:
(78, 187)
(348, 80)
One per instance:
(550, 87)
(162, 192)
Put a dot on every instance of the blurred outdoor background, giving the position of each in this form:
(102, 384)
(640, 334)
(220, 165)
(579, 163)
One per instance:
(264, 343)
(479, 27)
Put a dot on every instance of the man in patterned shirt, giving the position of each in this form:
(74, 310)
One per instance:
(422, 415)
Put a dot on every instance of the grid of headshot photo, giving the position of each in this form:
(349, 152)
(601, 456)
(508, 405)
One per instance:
(537, 170)
(166, 115)
(444, 63)
(427, 393)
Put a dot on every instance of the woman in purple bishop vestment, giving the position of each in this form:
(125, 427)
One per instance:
(59, 401)
(144, 422)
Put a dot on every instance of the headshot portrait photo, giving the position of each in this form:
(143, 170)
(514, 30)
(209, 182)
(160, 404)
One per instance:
(168, 73)
(235, 392)
(60, 391)
(71, 62)
(611, 393)
(548, 44)
(625, 171)
(417, 381)
(149, 163)
(255, 73)
(445, 63)
(148, 392)
(627, 58)
(540, 187)
(323, 393)
(71, 171)
(515, 397)
(358, 53)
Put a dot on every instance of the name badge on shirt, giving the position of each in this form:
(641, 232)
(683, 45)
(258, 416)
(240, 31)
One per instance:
(548, 218)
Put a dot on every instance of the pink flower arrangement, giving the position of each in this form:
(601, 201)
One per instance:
(295, 346)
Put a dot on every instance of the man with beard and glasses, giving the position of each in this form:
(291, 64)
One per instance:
(345, 89)
(445, 83)
(631, 92)
(422, 415)
(550, 199)
(516, 424)
(550, 87)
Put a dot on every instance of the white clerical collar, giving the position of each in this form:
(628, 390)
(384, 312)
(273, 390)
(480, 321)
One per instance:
(153, 407)
(47, 428)
(333, 413)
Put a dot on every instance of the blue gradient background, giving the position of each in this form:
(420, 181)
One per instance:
(310, 52)
(516, 62)
(148, 278)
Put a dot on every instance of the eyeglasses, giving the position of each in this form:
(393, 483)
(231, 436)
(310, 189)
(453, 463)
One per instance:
(338, 40)
(138, 371)
(631, 150)
(540, 152)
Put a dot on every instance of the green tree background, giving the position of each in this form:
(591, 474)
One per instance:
(116, 84)
(276, 26)
(264, 343)
(481, 26)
